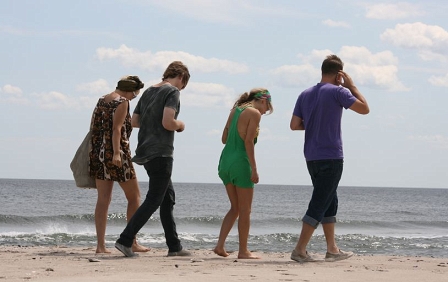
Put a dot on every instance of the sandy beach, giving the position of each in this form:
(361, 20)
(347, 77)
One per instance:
(82, 264)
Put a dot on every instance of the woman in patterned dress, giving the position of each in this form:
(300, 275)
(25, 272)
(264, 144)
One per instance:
(110, 157)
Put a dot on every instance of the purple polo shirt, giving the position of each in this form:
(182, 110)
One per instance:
(320, 108)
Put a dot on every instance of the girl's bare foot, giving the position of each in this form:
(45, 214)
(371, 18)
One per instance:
(220, 252)
(102, 250)
(139, 248)
(247, 255)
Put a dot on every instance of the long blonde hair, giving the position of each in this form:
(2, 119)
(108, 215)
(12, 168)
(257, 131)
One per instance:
(255, 94)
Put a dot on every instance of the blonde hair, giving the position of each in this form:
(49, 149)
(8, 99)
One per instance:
(254, 94)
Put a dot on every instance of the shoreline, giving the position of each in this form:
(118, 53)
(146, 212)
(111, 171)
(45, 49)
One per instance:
(53, 263)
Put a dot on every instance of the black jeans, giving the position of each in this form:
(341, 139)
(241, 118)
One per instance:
(323, 206)
(160, 194)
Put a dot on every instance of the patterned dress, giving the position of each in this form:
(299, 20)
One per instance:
(101, 154)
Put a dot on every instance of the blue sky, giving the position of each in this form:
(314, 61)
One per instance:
(58, 57)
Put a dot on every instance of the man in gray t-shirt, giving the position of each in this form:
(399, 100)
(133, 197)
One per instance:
(153, 139)
(156, 116)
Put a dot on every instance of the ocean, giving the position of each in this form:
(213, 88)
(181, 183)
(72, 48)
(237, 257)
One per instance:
(371, 220)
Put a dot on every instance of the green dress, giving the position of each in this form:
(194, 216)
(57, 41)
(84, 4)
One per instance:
(234, 166)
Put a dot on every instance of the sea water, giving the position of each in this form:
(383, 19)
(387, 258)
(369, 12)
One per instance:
(371, 220)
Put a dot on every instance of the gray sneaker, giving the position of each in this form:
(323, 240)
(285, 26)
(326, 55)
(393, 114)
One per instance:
(302, 258)
(181, 253)
(341, 255)
(127, 251)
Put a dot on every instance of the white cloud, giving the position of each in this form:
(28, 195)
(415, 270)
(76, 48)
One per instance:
(430, 40)
(12, 94)
(385, 11)
(161, 59)
(55, 101)
(435, 140)
(100, 86)
(9, 89)
(295, 75)
(377, 70)
(332, 23)
(208, 95)
(439, 80)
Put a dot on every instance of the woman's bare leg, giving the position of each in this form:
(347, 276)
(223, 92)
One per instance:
(228, 221)
(132, 193)
(245, 196)
(104, 189)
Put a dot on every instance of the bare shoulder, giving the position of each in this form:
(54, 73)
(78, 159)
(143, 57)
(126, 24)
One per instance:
(231, 114)
(251, 112)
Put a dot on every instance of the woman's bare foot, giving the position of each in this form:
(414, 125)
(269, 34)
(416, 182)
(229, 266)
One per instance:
(102, 250)
(139, 248)
(220, 252)
(247, 255)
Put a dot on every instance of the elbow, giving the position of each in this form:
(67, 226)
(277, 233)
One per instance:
(296, 127)
(167, 125)
(116, 130)
(293, 126)
(135, 124)
(365, 111)
(248, 144)
(170, 126)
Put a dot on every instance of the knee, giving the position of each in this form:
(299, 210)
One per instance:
(234, 212)
(245, 210)
(104, 199)
(134, 197)
(153, 202)
(134, 201)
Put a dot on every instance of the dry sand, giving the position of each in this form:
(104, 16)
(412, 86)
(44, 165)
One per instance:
(81, 264)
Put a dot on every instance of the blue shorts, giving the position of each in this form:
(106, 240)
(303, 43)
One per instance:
(323, 206)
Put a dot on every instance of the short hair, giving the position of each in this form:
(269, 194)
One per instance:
(129, 83)
(175, 69)
(332, 65)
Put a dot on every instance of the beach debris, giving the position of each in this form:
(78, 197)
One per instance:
(197, 260)
(49, 269)
(94, 260)
(176, 265)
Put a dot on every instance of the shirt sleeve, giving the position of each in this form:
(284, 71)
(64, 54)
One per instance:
(172, 100)
(345, 97)
(297, 109)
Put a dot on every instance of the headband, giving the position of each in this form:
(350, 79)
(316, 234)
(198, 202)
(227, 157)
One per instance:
(263, 95)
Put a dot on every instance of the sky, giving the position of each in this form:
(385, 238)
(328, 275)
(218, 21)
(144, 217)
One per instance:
(58, 57)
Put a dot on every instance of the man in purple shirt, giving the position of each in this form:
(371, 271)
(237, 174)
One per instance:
(318, 111)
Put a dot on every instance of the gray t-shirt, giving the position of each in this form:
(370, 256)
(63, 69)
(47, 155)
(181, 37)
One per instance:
(153, 139)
